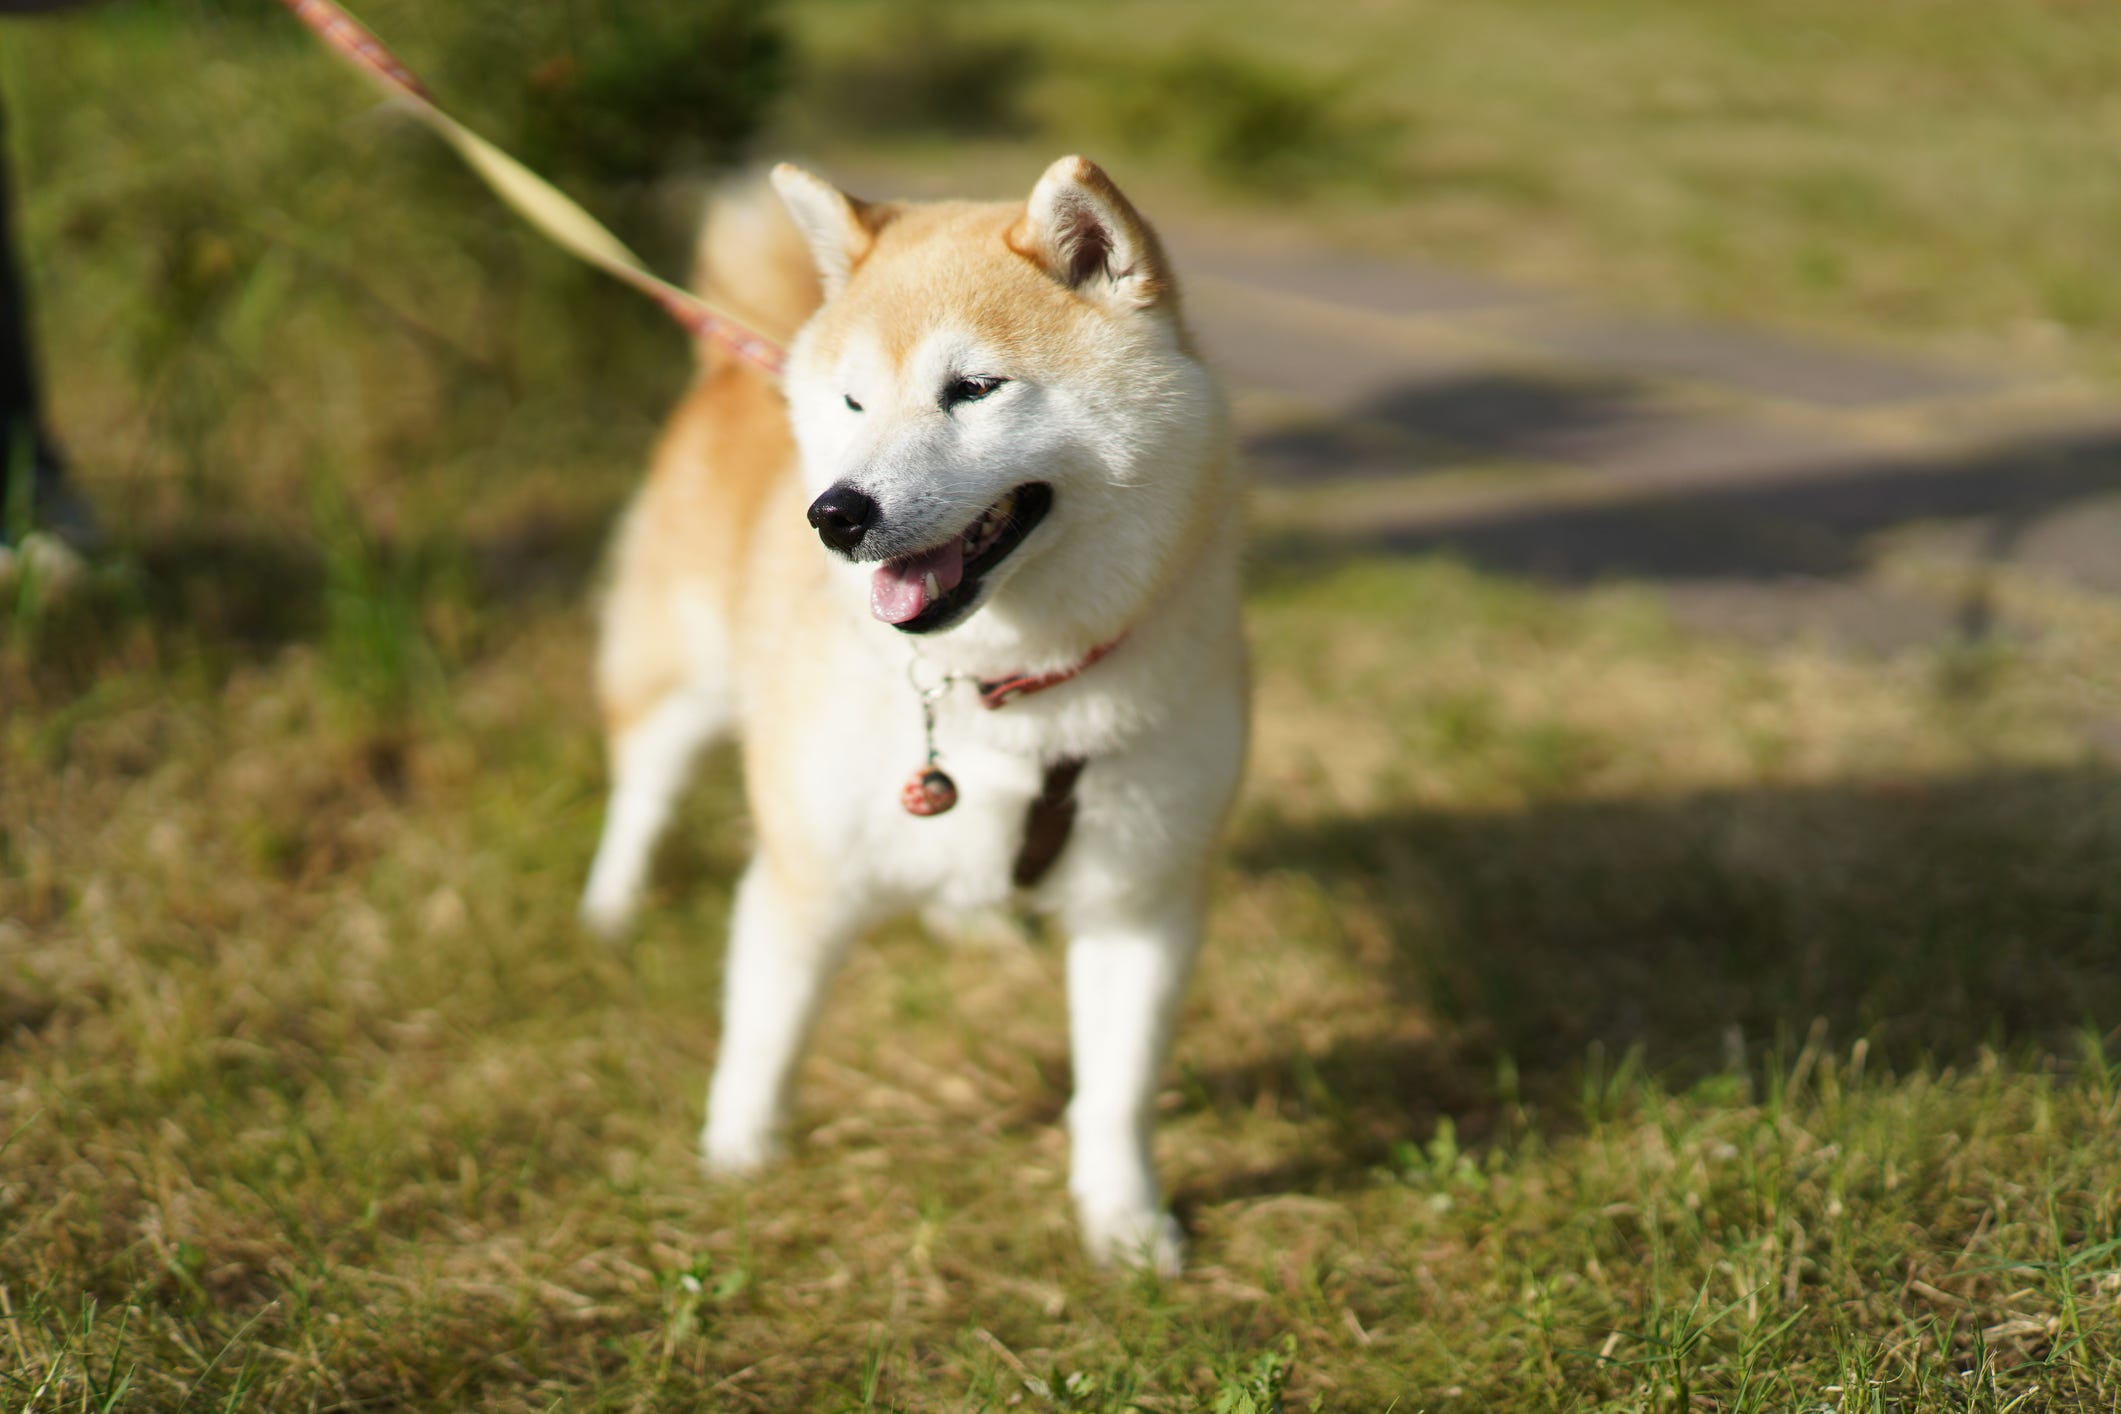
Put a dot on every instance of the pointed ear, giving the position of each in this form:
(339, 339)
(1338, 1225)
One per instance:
(839, 228)
(1085, 234)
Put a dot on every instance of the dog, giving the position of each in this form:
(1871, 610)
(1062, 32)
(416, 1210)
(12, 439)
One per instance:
(966, 588)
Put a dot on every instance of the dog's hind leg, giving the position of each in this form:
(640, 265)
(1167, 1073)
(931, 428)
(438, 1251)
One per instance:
(784, 944)
(651, 758)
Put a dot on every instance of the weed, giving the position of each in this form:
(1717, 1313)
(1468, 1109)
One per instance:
(1259, 1386)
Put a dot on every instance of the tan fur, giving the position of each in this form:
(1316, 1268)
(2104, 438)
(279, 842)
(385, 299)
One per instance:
(751, 261)
(725, 448)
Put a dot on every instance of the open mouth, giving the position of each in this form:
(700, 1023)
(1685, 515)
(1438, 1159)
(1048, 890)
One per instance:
(933, 589)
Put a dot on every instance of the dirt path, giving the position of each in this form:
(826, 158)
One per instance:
(1770, 487)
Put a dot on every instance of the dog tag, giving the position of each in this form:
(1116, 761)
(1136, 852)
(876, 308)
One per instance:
(928, 791)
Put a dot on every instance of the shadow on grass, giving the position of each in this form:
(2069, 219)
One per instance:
(1932, 917)
(1686, 499)
(245, 591)
(216, 596)
(1421, 427)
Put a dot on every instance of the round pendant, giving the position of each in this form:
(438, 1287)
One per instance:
(928, 791)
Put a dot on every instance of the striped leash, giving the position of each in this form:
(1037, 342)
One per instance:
(543, 205)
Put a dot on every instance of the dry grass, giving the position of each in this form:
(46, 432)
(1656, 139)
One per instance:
(1594, 1018)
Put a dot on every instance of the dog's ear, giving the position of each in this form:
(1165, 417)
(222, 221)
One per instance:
(839, 228)
(1085, 234)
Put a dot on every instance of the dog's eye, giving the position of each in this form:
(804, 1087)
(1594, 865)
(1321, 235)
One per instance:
(852, 405)
(969, 390)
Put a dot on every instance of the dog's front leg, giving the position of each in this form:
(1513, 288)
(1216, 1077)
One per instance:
(1127, 966)
(784, 944)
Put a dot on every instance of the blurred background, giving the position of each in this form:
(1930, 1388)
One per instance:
(1783, 276)
(1689, 540)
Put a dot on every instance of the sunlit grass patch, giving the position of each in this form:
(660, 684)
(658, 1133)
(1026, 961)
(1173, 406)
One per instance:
(1920, 171)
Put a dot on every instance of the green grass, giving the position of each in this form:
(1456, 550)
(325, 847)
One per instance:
(1596, 1016)
(1929, 172)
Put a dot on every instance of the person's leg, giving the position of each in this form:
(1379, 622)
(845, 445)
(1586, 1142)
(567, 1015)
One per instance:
(26, 448)
(20, 431)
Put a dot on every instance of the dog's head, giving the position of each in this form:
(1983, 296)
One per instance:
(997, 405)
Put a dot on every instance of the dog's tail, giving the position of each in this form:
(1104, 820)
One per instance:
(751, 260)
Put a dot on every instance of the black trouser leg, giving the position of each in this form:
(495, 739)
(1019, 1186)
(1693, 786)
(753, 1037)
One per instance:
(21, 422)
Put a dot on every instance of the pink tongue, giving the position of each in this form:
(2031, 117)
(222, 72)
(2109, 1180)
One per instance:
(900, 589)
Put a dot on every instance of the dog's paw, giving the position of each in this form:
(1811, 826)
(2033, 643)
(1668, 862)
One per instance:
(1142, 1240)
(729, 1152)
(609, 918)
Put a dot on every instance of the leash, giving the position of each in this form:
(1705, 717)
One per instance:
(1051, 816)
(554, 214)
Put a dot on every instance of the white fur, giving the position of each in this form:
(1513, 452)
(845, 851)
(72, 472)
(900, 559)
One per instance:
(649, 764)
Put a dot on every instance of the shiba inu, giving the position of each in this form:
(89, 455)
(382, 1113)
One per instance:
(966, 587)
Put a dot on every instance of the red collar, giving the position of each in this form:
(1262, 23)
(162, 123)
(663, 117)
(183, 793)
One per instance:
(1000, 692)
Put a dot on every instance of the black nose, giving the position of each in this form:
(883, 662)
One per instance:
(842, 516)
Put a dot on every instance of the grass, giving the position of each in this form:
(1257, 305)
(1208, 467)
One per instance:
(1934, 173)
(1724, 1076)
(1596, 1016)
